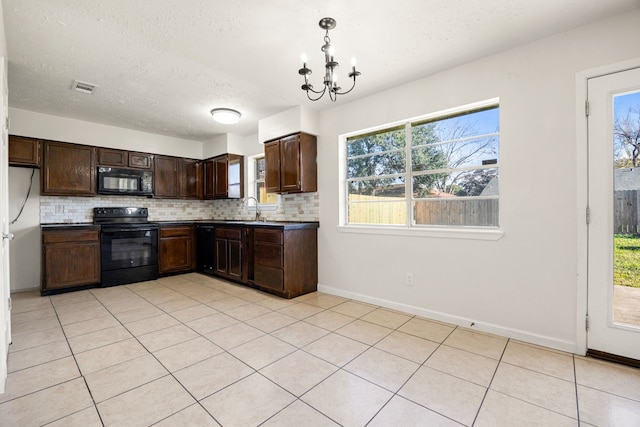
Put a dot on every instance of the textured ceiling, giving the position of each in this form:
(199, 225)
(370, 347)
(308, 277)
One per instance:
(162, 65)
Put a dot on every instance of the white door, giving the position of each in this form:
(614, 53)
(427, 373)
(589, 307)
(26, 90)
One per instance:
(5, 315)
(614, 199)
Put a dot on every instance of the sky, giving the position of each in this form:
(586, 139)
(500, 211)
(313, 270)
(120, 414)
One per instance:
(621, 103)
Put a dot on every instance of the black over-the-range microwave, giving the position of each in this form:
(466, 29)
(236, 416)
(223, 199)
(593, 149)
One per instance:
(131, 182)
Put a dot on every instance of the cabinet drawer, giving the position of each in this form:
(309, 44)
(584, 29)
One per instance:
(268, 255)
(269, 277)
(264, 235)
(229, 233)
(181, 231)
(65, 236)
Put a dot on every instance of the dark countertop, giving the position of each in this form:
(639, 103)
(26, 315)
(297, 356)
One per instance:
(285, 225)
(63, 225)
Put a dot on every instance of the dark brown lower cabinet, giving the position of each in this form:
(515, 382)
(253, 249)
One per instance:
(70, 258)
(286, 261)
(176, 249)
(232, 253)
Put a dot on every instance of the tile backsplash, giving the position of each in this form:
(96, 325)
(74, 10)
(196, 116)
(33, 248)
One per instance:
(292, 207)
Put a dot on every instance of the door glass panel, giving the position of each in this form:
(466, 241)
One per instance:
(626, 209)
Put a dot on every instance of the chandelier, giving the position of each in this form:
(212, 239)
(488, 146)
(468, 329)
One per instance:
(330, 82)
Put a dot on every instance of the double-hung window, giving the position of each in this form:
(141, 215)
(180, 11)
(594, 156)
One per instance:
(440, 170)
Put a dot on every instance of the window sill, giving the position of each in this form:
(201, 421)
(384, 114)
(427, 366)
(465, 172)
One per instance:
(443, 233)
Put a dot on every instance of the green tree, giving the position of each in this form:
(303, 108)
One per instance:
(381, 156)
(626, 133)
(472, 184)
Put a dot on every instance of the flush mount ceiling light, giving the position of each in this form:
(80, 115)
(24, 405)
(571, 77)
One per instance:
(330, 78)
(226, 116)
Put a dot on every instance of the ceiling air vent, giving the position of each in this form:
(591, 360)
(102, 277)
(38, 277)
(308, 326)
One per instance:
(83, 87)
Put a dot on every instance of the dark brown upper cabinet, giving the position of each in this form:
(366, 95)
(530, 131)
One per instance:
(24, 151)
(165, 177)
(111, 157)
(224, 177)
(124, 159)
(290, 164)
(68, 169)
(140, 160)
(190, 179)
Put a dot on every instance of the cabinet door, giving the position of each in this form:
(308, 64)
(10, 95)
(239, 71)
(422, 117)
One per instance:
(234, 249)
(221, 181)
(235, 176)
(176, 249)
(208, 179)
(140, 160)
(68, 169)
(290, 164)
(175, 254)
(165, 177)
(272, 166)
(190, 179)
(71, 264)
(110, 157)
(221, 256)
(24, 151)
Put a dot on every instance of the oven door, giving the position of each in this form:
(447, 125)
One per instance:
(129, 247)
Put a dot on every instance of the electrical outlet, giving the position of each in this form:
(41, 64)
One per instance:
(408, 280)
(59, 208)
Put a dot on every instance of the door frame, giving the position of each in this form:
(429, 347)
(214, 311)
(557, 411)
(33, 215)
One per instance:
(582, 192)
(5, 314)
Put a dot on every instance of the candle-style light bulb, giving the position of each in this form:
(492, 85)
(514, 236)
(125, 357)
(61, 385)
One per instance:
(304, 58)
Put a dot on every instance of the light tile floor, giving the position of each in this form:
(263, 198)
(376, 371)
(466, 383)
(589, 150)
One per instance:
(192, 350)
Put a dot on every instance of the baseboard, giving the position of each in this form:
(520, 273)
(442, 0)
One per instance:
(506, 332)
(17, 291)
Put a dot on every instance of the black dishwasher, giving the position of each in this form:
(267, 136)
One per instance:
(206, 248)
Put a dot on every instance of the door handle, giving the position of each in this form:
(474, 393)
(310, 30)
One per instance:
(7, 236)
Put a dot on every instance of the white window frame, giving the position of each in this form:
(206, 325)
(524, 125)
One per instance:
(407, 229)
(251, 188)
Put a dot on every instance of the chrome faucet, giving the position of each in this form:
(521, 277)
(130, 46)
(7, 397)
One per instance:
(246, 203)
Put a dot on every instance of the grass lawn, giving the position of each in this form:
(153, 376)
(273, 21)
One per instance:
(626, 260)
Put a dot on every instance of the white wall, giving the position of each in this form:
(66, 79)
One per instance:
(524, 284)
(26, 246)
(38, 125)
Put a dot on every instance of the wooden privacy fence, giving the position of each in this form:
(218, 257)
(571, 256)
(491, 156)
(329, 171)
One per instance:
(626, 210)
(465, 212)
(445, 211)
